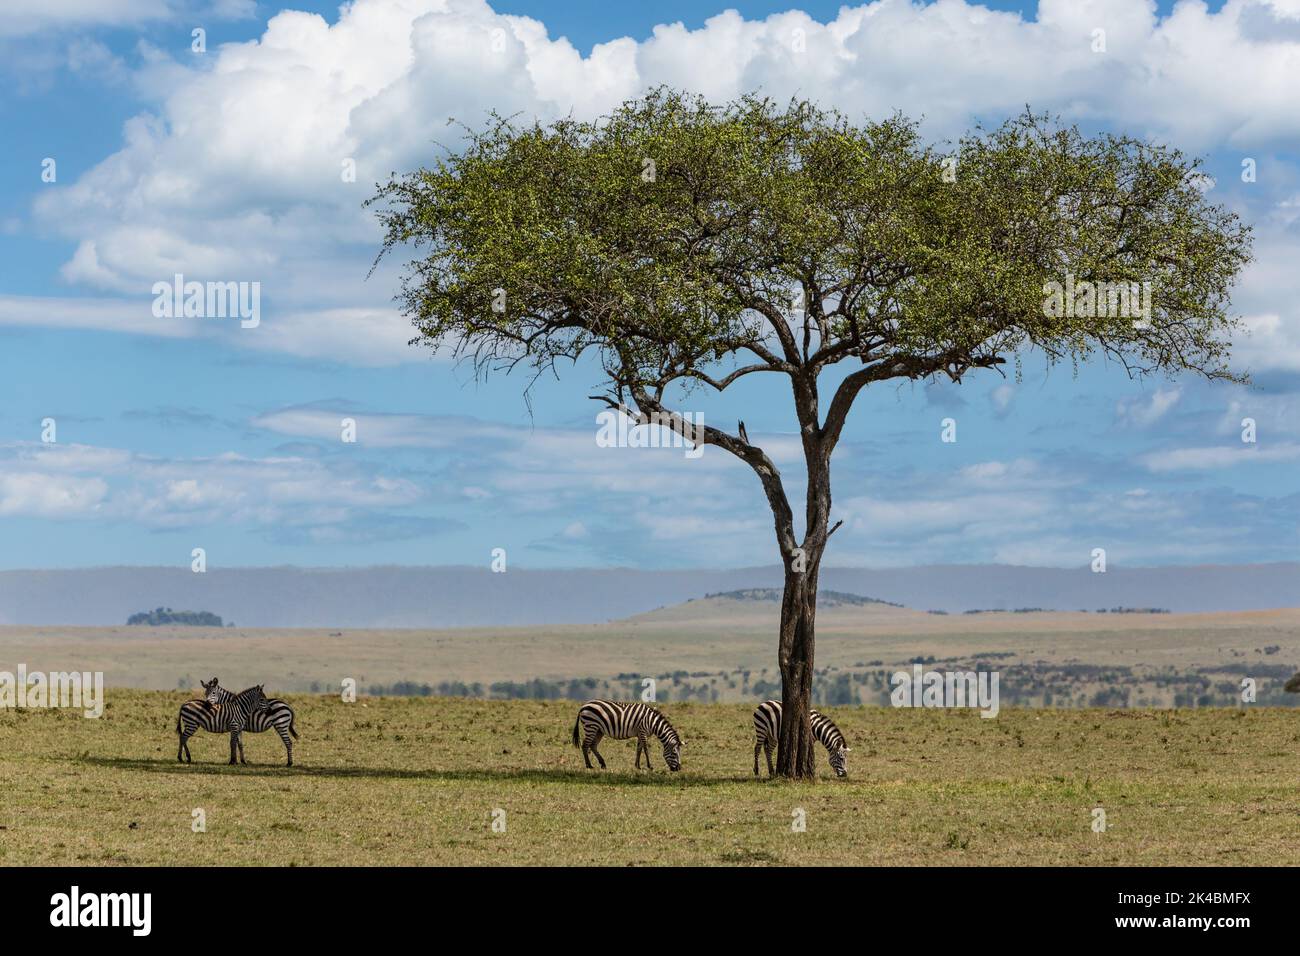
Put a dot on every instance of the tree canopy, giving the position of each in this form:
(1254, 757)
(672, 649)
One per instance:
(674, 235)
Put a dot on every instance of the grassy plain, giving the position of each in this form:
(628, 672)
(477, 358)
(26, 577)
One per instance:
(416, 781)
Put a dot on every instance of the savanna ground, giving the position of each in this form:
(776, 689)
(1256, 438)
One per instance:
(713, 649)
(415, 781)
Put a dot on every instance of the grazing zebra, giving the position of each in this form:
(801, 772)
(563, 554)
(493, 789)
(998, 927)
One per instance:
(767, 728)
(278, 714)
(618, 721)
(231, 717)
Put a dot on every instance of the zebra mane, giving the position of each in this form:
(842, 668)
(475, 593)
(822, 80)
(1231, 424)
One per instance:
(830, 735)
(667, 731)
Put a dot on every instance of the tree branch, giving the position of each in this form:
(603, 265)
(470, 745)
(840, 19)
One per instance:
(651, 411)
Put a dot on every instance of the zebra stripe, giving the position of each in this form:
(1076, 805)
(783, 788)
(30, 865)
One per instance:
(619, 721)
(278, 715)
(231, 718)
(767, 731)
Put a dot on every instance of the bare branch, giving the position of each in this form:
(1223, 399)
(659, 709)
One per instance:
(650, 410)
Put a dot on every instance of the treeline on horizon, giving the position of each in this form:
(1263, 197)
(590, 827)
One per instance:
(1049, 610)
(1066, 685)
(165, 615)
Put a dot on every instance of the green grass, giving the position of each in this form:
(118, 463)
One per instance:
(415, 781)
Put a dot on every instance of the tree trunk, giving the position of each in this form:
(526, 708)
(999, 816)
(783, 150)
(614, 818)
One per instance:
(796, 750)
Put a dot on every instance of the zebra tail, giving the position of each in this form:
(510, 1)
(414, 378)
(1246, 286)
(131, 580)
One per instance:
(576, 724)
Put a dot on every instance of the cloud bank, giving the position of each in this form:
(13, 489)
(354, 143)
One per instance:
(253, 159)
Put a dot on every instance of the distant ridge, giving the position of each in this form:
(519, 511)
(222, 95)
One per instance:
(425, 597)
(824, 598)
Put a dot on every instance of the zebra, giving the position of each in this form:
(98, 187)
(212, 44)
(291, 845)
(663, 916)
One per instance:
(619, 721)
(231, 717)
(767, 730)
(278, 714)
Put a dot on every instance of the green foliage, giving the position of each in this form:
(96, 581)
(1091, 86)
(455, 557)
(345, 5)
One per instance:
(751, 205)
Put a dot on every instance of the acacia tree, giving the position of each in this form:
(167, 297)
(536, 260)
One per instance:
(690, 245)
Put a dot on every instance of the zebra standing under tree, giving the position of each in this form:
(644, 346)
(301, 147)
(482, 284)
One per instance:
(767, 730)
(619, 721)
(278, 714)
(231, 717)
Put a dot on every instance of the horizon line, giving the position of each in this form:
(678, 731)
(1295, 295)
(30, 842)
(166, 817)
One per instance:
(1111, 566)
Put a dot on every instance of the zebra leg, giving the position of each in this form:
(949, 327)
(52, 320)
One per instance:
(288, 745)
(758, 745)
(233, 736)
(767, 749)
(182, 748)
(597, 752)
(240, 741)
(640, 745)
(645, 745)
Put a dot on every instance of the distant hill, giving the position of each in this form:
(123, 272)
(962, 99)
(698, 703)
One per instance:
(424, 597)
(824, 598)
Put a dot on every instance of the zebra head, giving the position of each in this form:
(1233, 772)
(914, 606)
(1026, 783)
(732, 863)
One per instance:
(211, 691)
(838, 757)
(673, 752)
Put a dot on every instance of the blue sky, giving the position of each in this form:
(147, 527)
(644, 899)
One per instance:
(224, 165)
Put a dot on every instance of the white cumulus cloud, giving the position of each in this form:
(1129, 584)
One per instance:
(237, 169)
